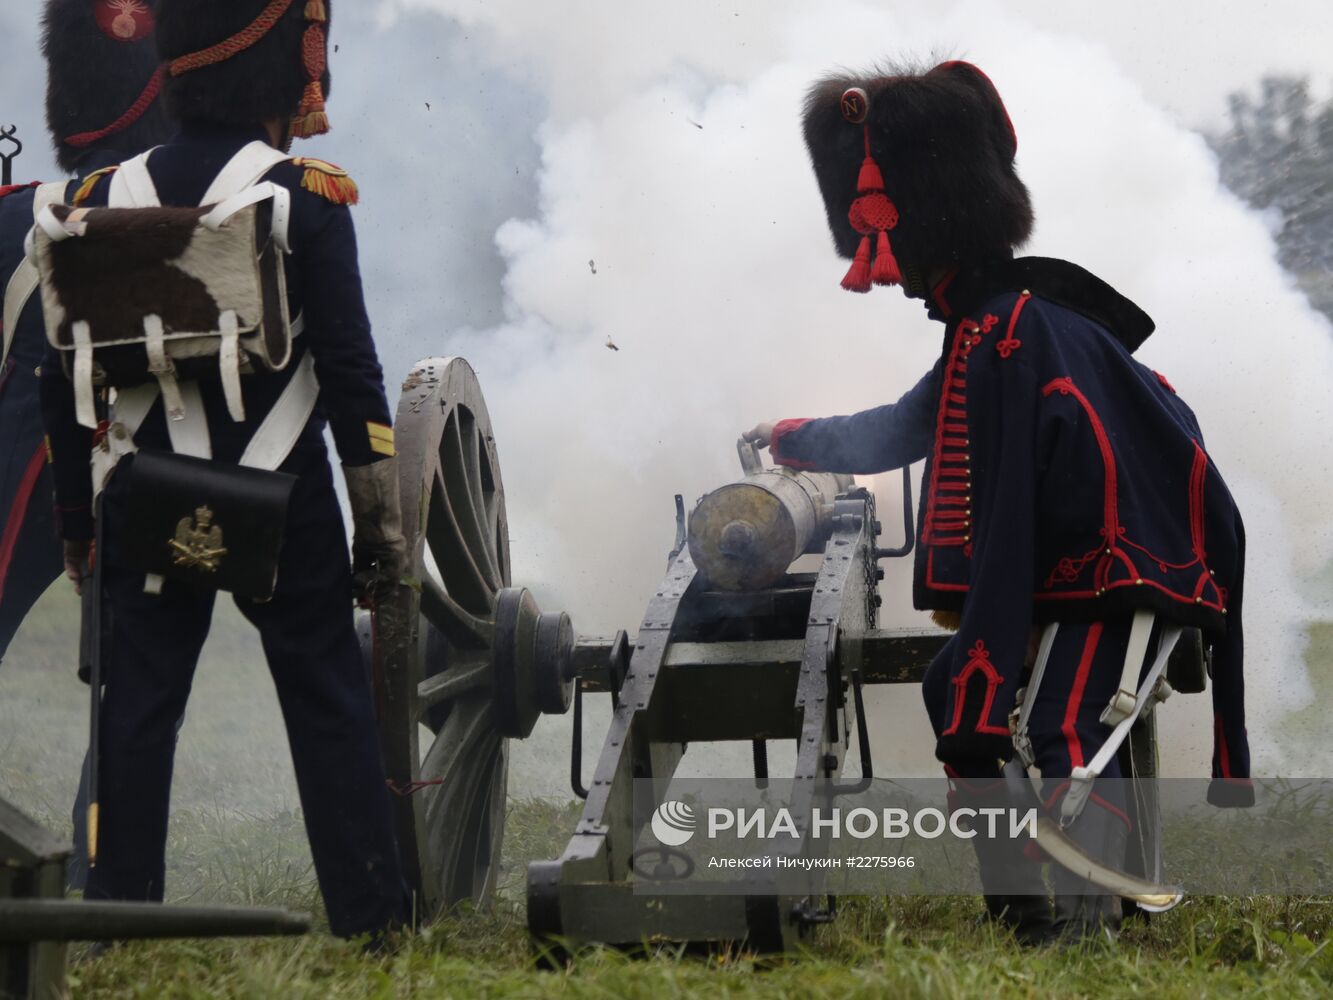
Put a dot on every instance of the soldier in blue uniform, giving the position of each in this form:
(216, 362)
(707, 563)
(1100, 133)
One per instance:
(101, 107)
(1064, 481)
(250, 75)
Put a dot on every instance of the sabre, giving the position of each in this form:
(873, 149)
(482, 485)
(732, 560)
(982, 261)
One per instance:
(1065, 852)
(90, 664)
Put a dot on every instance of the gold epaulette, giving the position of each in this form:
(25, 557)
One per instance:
(327, 180)
(90, 182)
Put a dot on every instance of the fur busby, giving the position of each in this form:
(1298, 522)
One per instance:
(922, 161)
(245, 61)
(101, 78)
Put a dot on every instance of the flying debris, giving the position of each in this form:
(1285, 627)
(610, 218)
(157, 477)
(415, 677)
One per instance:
(611, 345)
(592, 266)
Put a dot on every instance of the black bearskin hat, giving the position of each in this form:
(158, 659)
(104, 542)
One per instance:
(241, 62)
(101, 78)
(924, 159)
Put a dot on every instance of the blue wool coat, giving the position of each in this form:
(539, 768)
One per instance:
(30, 554)
(1064, 481)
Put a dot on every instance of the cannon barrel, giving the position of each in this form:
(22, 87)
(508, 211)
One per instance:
(101, 920)
(744, 536)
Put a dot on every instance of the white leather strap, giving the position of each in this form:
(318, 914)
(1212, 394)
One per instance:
(55, 230)
(268, 448)
(248, 165)
(1027, 697)
(1122, 702)
(282, 219)
(229, 364)
(1038, 672)
(189, 436)
(1081, 779)
(162, 367)
(85, 410)
(132, 185)
(52, 193)
(282, 210)
(22, 283)
(225, 209)
(128, 410)
(277, 434)
(26, 278)
(131, 406)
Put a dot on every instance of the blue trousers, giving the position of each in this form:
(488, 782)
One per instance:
(1082, 674)
(314, 657)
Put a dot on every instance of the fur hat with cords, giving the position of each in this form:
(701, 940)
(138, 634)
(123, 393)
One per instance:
(102, 78)
(241, 62)
(916, 170)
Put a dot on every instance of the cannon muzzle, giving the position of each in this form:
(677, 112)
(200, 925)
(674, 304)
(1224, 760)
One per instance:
(746, 534)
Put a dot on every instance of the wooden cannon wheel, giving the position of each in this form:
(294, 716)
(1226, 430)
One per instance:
(431, 649)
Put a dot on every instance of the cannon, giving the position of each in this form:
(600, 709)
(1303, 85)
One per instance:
(736, 644)
(36, 920)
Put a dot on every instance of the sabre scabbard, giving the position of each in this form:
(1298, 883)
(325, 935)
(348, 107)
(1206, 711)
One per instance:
(88, 590)
(91, 639)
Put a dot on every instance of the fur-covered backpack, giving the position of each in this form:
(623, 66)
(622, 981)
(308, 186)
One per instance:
(136, 292)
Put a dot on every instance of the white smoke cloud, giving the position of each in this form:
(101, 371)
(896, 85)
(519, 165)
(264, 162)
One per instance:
(659, 145)
(678, 219)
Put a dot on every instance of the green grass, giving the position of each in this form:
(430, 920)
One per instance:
(900, 947)
(908, 947)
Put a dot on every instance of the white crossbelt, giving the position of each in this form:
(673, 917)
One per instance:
(25, 279)
(132, 187)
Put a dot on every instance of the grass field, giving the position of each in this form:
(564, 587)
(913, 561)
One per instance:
(903, 947)
(900, 947)
(237, 837)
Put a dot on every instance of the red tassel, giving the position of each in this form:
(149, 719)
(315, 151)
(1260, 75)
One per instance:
(858, 275)
(870, 179)
(885, 271)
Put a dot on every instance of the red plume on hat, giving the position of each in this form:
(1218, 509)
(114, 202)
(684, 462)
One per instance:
(871, 212)
(932, 157)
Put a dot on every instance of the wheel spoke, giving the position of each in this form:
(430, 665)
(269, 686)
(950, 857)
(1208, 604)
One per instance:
(470, 744)
(455, 453)
(470, 443)
(476, 480)
(454, 682)
(474, 870)
(457, 756)
(453, 555)
(462, 628)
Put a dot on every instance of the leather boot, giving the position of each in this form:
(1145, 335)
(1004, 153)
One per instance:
(1013, 887)
(1029, 917)
(1083, 911)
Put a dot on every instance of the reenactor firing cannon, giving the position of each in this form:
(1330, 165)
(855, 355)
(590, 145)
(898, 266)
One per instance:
(733, 646)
